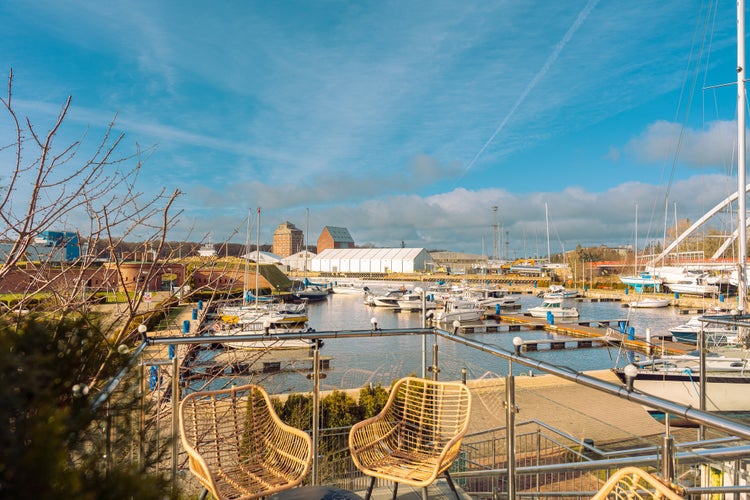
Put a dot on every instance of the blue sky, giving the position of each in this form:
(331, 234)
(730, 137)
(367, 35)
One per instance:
(403, 121)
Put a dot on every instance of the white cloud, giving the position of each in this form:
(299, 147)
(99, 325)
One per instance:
(709, 148)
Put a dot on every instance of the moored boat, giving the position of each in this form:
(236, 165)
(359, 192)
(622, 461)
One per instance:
(649, 303)
(555, 307)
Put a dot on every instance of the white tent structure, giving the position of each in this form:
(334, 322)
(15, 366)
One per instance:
(263, 257)
(372, 260)
(296, 262)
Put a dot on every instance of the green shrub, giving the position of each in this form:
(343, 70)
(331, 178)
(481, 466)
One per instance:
(52, 440)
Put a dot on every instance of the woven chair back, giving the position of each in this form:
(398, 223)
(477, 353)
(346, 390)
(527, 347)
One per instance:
(238, 446)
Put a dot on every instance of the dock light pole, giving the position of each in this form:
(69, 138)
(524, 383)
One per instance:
(316, 411)
(517, 343)
(142, 329)
(510, 419)
(422, 323)
(630, 373)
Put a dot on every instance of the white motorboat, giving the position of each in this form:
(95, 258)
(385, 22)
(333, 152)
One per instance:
(556, 308)
(389, 298)
(460, 310)
(349, 287)
(491, 298)
(692, 283)
(560, 292)
(649, 303)
(413, 302)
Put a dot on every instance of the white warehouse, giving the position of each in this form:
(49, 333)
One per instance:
(372, 260)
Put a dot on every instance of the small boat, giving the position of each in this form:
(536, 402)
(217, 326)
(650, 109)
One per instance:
(560, 292)
(389, 298)
(642, 281)
(693, 283)
(554, 306)
(649, 303)
(460, 310)
(311, 293)
(349, 287)
(715, 335)
(264, 324)
(413, 302)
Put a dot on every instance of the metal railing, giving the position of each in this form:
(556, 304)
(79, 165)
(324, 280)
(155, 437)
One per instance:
(507, 462)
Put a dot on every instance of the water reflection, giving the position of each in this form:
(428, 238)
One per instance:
(361, 361)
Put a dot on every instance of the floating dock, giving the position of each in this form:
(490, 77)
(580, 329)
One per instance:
(607, 334)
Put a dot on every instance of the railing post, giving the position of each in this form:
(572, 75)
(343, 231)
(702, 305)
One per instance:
(510, 427)
(423, 324)
(434, 368)
(175, 421)
(316, 411)
(142, 414)
(667, 458)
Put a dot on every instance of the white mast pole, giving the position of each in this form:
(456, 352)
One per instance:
(257, 259)
(546, 217)
(635, 250)
(741, 210)
(247, 259)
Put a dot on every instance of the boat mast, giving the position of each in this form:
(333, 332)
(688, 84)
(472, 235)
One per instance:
(307, 234)
(546, 218)
(635, 250)
(741, 194)
(247, 259)
(257, 259)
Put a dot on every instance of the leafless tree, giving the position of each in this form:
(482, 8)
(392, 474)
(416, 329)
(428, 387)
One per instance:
(76, 189)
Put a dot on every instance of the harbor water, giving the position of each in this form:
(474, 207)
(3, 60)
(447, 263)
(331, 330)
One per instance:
(361, 361)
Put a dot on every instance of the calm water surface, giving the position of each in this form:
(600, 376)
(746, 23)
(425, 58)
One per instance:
(355, 362)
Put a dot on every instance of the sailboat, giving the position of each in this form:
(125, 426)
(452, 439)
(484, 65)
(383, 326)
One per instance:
(644, 279)
(311, 291)
(260, 317)
(715, 380)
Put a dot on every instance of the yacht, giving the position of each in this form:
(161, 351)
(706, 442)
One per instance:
(555, 307)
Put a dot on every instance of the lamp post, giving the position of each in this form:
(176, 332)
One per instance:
(422, 322)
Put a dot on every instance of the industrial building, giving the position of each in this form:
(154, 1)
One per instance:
(372, 260)
(335, 237)
(287, 239)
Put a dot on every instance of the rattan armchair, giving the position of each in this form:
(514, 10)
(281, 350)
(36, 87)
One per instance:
(238, 447)
(416, 437)
(635, 483)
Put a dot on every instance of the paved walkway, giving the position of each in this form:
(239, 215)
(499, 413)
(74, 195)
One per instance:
(578, 411)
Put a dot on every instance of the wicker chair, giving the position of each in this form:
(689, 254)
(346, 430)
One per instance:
(237, 445)
(416, 437)
(635, 483)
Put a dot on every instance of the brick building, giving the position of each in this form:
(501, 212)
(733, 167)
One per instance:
(334, 238)
(287, 239)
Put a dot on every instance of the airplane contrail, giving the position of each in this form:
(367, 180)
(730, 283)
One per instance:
(539, 75)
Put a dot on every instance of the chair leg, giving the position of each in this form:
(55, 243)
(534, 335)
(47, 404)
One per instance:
(369, 488)
(204, 494)
(395, 491)
(424, 493)
(451, 485)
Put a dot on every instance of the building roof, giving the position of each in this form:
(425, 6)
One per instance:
(263, 257)
(370, 253)
(339, 234)
(286, 227)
